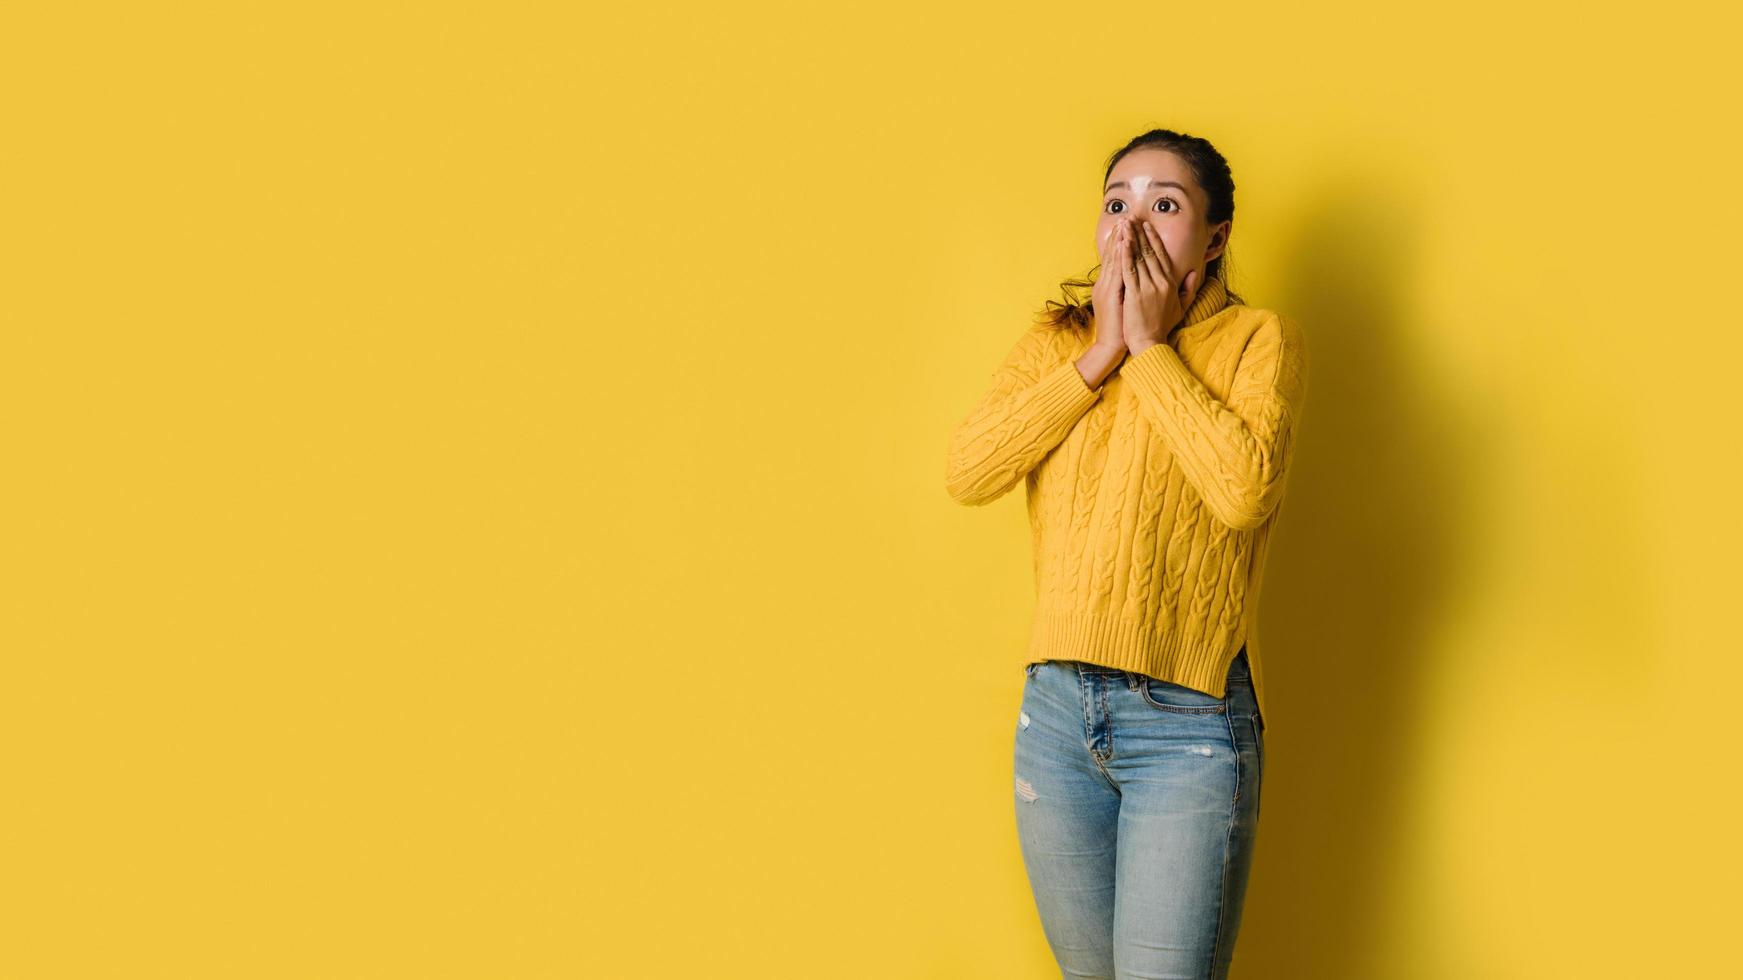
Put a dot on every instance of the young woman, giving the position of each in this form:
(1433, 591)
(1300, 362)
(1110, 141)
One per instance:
(1153, 427)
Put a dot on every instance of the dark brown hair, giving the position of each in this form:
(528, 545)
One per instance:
(1212, 173)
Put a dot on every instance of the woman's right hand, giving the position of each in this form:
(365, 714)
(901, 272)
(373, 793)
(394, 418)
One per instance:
(1108, 350)
(1108, 296)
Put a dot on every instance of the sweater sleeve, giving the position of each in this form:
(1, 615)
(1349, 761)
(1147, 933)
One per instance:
(1236, 454)
(1029, 409)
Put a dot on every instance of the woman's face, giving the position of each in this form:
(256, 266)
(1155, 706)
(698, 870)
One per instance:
(1156, 187)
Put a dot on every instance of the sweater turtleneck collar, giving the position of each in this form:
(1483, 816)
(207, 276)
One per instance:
(1212, 297)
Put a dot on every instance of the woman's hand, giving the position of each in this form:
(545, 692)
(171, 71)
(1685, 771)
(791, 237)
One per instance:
(1155, 300)
(1107, 299)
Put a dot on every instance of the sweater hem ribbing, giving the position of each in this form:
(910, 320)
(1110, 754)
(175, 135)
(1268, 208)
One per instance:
(1111, 641)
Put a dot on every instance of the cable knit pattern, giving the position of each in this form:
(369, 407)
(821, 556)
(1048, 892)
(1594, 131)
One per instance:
(1152, 498)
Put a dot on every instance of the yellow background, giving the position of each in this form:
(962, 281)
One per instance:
(477, 501)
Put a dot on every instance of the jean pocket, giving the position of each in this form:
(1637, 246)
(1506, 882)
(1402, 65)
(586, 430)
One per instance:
(1168, 696)
(1029, 669)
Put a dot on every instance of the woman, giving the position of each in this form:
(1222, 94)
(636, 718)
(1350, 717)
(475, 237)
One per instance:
(1153, 427)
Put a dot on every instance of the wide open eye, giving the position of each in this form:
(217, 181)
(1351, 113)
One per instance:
(1169, 200)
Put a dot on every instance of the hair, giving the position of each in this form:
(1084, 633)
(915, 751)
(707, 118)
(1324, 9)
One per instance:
(1212, 173)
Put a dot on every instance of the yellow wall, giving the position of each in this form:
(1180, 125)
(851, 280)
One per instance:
(477, 481)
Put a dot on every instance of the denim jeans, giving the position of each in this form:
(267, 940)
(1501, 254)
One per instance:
(1137, 805)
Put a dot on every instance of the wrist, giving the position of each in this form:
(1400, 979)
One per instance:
(1099, 362)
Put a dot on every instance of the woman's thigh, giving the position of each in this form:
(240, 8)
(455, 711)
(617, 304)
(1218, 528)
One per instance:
(1068, 814)
(1188, 769)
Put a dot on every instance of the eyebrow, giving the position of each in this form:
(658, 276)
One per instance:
(1159, 183)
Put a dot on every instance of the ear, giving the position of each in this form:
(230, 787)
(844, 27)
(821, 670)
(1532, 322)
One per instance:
(1219, 240)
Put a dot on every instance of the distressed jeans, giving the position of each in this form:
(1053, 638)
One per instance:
(1137, 805)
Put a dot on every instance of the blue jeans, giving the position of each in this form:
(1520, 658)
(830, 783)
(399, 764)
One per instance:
(1137, 805)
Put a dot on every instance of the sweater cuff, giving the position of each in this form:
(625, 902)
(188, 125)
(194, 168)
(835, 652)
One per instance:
(1159, 366)
(1065, 386)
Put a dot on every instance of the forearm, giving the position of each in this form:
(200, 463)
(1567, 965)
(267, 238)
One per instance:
(1235, 454)
(1007, 435)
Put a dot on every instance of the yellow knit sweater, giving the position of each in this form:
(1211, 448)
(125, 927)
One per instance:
(1151, 498)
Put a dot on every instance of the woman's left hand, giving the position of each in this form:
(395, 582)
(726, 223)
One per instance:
(1155, 301)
